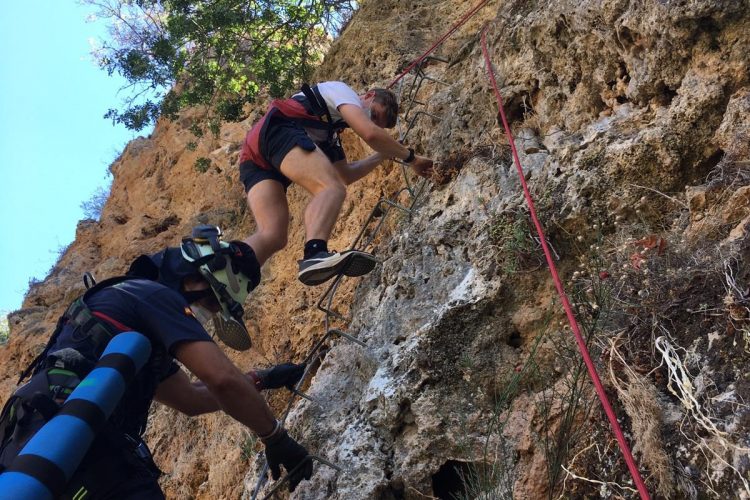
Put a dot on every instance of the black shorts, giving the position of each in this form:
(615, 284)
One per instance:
(251, 174)
(281, 136)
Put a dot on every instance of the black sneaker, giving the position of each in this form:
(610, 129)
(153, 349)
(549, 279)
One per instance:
(325, 265)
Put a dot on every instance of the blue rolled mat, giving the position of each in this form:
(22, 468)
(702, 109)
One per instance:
(49, 459)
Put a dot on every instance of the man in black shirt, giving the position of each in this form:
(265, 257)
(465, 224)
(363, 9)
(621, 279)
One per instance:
(159, 300)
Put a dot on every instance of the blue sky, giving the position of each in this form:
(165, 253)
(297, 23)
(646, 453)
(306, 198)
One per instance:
(55, 147)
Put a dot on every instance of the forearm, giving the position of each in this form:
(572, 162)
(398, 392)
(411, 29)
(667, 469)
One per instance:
(203, 401)
(229, 387)
(189, 398)
(352, 172)
(239, 399)
(383, 143)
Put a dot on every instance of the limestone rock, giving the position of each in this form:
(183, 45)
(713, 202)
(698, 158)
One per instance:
(617, 106)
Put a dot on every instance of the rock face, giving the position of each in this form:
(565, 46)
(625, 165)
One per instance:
(632, 122)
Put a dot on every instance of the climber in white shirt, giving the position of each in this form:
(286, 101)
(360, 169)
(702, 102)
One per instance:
(297, 141)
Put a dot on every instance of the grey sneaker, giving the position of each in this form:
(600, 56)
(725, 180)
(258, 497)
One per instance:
(325, 265)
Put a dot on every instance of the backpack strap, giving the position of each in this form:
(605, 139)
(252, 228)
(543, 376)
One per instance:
(98, 328)
(318, 107)
(8, 419)
(80, 316)
(316, 102)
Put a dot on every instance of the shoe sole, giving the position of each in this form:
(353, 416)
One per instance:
(350, 264)
(232, 334)
(359, 264)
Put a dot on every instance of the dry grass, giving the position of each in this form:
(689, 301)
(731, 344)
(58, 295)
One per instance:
(513, 244)
(653, 276)
(733, 170)
(640, 399)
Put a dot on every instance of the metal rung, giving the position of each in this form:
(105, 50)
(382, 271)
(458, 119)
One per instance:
(438, 58)
(408, 187)
(413, 92)
(330, 333)
(305, 396)
(428, 77)
(413, 193)
(284, 479)
(413, 121)
(376, 212)
(398, 206)
(420, 75)
(379, 213)
(377, 228)
(330, 292)
(296, 392)
(347, 336)
(425, 76)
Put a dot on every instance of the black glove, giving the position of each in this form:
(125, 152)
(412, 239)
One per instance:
(283, 450)
(244, 259)
(286, 375)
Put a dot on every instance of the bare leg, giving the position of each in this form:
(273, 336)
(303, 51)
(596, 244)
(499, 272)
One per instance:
(267, 201)
(314, 171)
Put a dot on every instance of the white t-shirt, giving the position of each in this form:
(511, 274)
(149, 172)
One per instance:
(335, 94)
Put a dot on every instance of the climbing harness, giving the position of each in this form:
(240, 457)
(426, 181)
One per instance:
(308, 110)
(316, 105)
(622, 442)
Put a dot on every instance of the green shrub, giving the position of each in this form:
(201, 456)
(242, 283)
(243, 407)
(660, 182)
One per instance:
(202, 164)
(222, 54)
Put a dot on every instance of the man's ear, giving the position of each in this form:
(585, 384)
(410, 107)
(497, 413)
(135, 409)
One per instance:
(369, 94)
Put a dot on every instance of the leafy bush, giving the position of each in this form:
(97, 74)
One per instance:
(221, 54)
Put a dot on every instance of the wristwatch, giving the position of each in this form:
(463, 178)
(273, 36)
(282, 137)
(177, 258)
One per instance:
(411, 156)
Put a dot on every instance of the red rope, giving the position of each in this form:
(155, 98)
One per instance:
(421, 58)
(624, 448)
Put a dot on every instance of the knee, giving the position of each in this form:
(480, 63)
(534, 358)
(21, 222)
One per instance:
(336, 190)
(329, 184)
